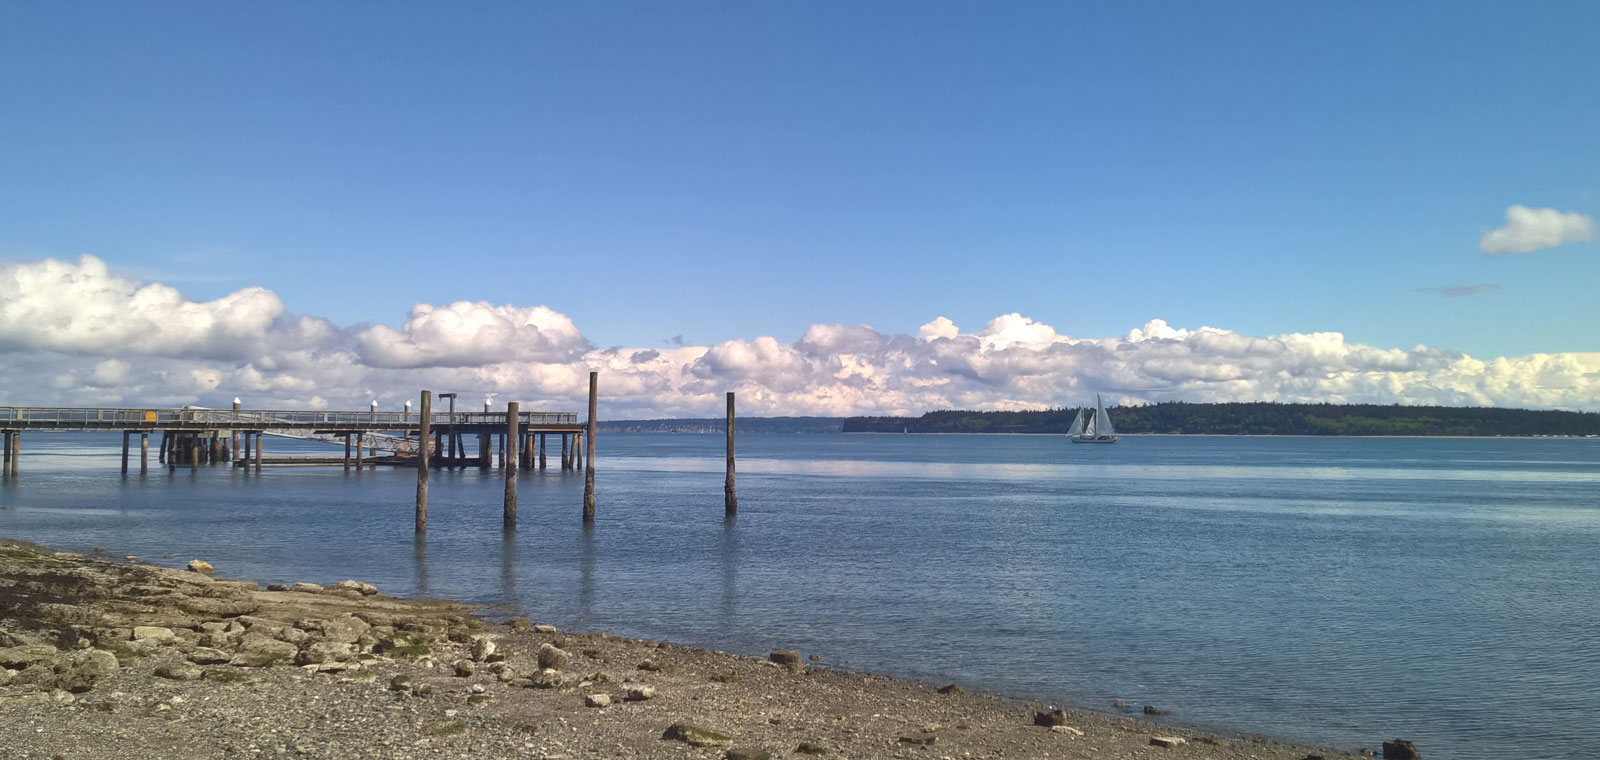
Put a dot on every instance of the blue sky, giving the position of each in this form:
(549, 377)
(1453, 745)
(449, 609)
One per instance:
(727, 170)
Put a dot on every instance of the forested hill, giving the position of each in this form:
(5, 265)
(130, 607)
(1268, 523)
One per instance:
(1255, 419)
(719, 424)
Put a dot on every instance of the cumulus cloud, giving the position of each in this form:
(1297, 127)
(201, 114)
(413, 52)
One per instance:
(468, 333)
(1529, 229)
(1457, 291)
(243, 344)
(84, 308)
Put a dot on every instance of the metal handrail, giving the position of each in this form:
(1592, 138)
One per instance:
(269, 416)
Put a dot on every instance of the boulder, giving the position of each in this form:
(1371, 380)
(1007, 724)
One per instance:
(78, 672)
(365, 589)
(544, 629)
(696, 736)
(788, 657)
(553, 657)
(483, 647)
(547, 679)
(641, 693)
(201, 566)
(1169, 742)
(325, 652)
(1050, 718)
(1400, 749)
(348, 630)
(19, 657)
(597, 700)
(464, 668)
(180, 671)
(309, 588)
(951, 689)
(1153, 710)
(142, 632)
(208, 656)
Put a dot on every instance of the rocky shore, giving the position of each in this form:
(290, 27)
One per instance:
(111, 660)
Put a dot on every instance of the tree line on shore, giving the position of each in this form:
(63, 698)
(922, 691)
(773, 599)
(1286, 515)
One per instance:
(1255, 418)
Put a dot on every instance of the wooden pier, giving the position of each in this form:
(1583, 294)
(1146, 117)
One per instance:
(193, 437)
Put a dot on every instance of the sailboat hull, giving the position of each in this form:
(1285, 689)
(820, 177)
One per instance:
(1096, 439)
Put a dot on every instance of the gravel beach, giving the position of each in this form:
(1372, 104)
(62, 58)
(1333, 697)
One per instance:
(110, 660)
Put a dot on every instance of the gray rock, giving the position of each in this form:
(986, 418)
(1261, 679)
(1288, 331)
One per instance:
(547, 679)
(1050, 718)
(483, 647)
(1069, 730)
(180, 671)
(641, 693)
(346, 629)
(597, 700)
(464, 668)
(293, 636)
(1169, 742)
(309, 588)
(142, 632)
(79, 671)
(20, 657)
(696, 736)
(1153, 710)
(365, 589)
(951, 689)
(787, 657)
(324, 652)
(208, 656)
(1400, 749)
(201, 566)
(544, 629)
(553, 657)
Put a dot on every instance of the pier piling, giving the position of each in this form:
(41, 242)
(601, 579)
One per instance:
(259, 446)
(588, 477)
(144, 453)
(422, 462)
(730, 495)
(513, 434)
(125, 435)
(5, 454)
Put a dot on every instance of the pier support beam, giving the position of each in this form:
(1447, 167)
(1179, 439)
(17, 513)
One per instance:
(588, 477)
(484, 444)
(5, 454)
(513, 434)
(125, 435)
(144, 453)
(422, 462)
(259, 447)
(566, 453)
(16, 452)
(346, 452)
(544, 446)
(359, 447)
(235, 449)
(730, 494)
(194, 452)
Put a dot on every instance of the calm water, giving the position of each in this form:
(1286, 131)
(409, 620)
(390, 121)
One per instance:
(1334, 591)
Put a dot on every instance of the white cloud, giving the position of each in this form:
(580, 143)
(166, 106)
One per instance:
(468, 333)
(84, 308)
(52, 352)
(1529, 229)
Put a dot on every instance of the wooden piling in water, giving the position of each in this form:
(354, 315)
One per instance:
(730, 494)
(566, 454)
(483, 450)
(194, 452)
(346, 452)
(422, 463)
(5, 454)
(125, 435)
(588, 478)
(513, 433)
(235, 448)
(144, 453)
(544, 446)
(16, 452)
(259, 447)
(358, 452)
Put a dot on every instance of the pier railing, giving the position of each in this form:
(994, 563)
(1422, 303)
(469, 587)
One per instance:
(268, 418)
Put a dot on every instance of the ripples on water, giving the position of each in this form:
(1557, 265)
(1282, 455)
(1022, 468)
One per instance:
(1334, 591)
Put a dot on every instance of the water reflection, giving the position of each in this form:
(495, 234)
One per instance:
(508, 565)
(586, 563)
(419, 561)
(730, 568)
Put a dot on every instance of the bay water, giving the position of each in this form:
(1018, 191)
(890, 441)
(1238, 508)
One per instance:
(1334, 591)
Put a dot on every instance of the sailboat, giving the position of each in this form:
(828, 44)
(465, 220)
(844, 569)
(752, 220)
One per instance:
(1095, 428)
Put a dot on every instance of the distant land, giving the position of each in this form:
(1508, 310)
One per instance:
(719, 424)
(1256, 418)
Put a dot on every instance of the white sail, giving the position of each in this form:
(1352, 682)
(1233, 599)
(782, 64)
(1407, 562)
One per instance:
(1077, 425)
(1102, 423)
(1091, 426)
